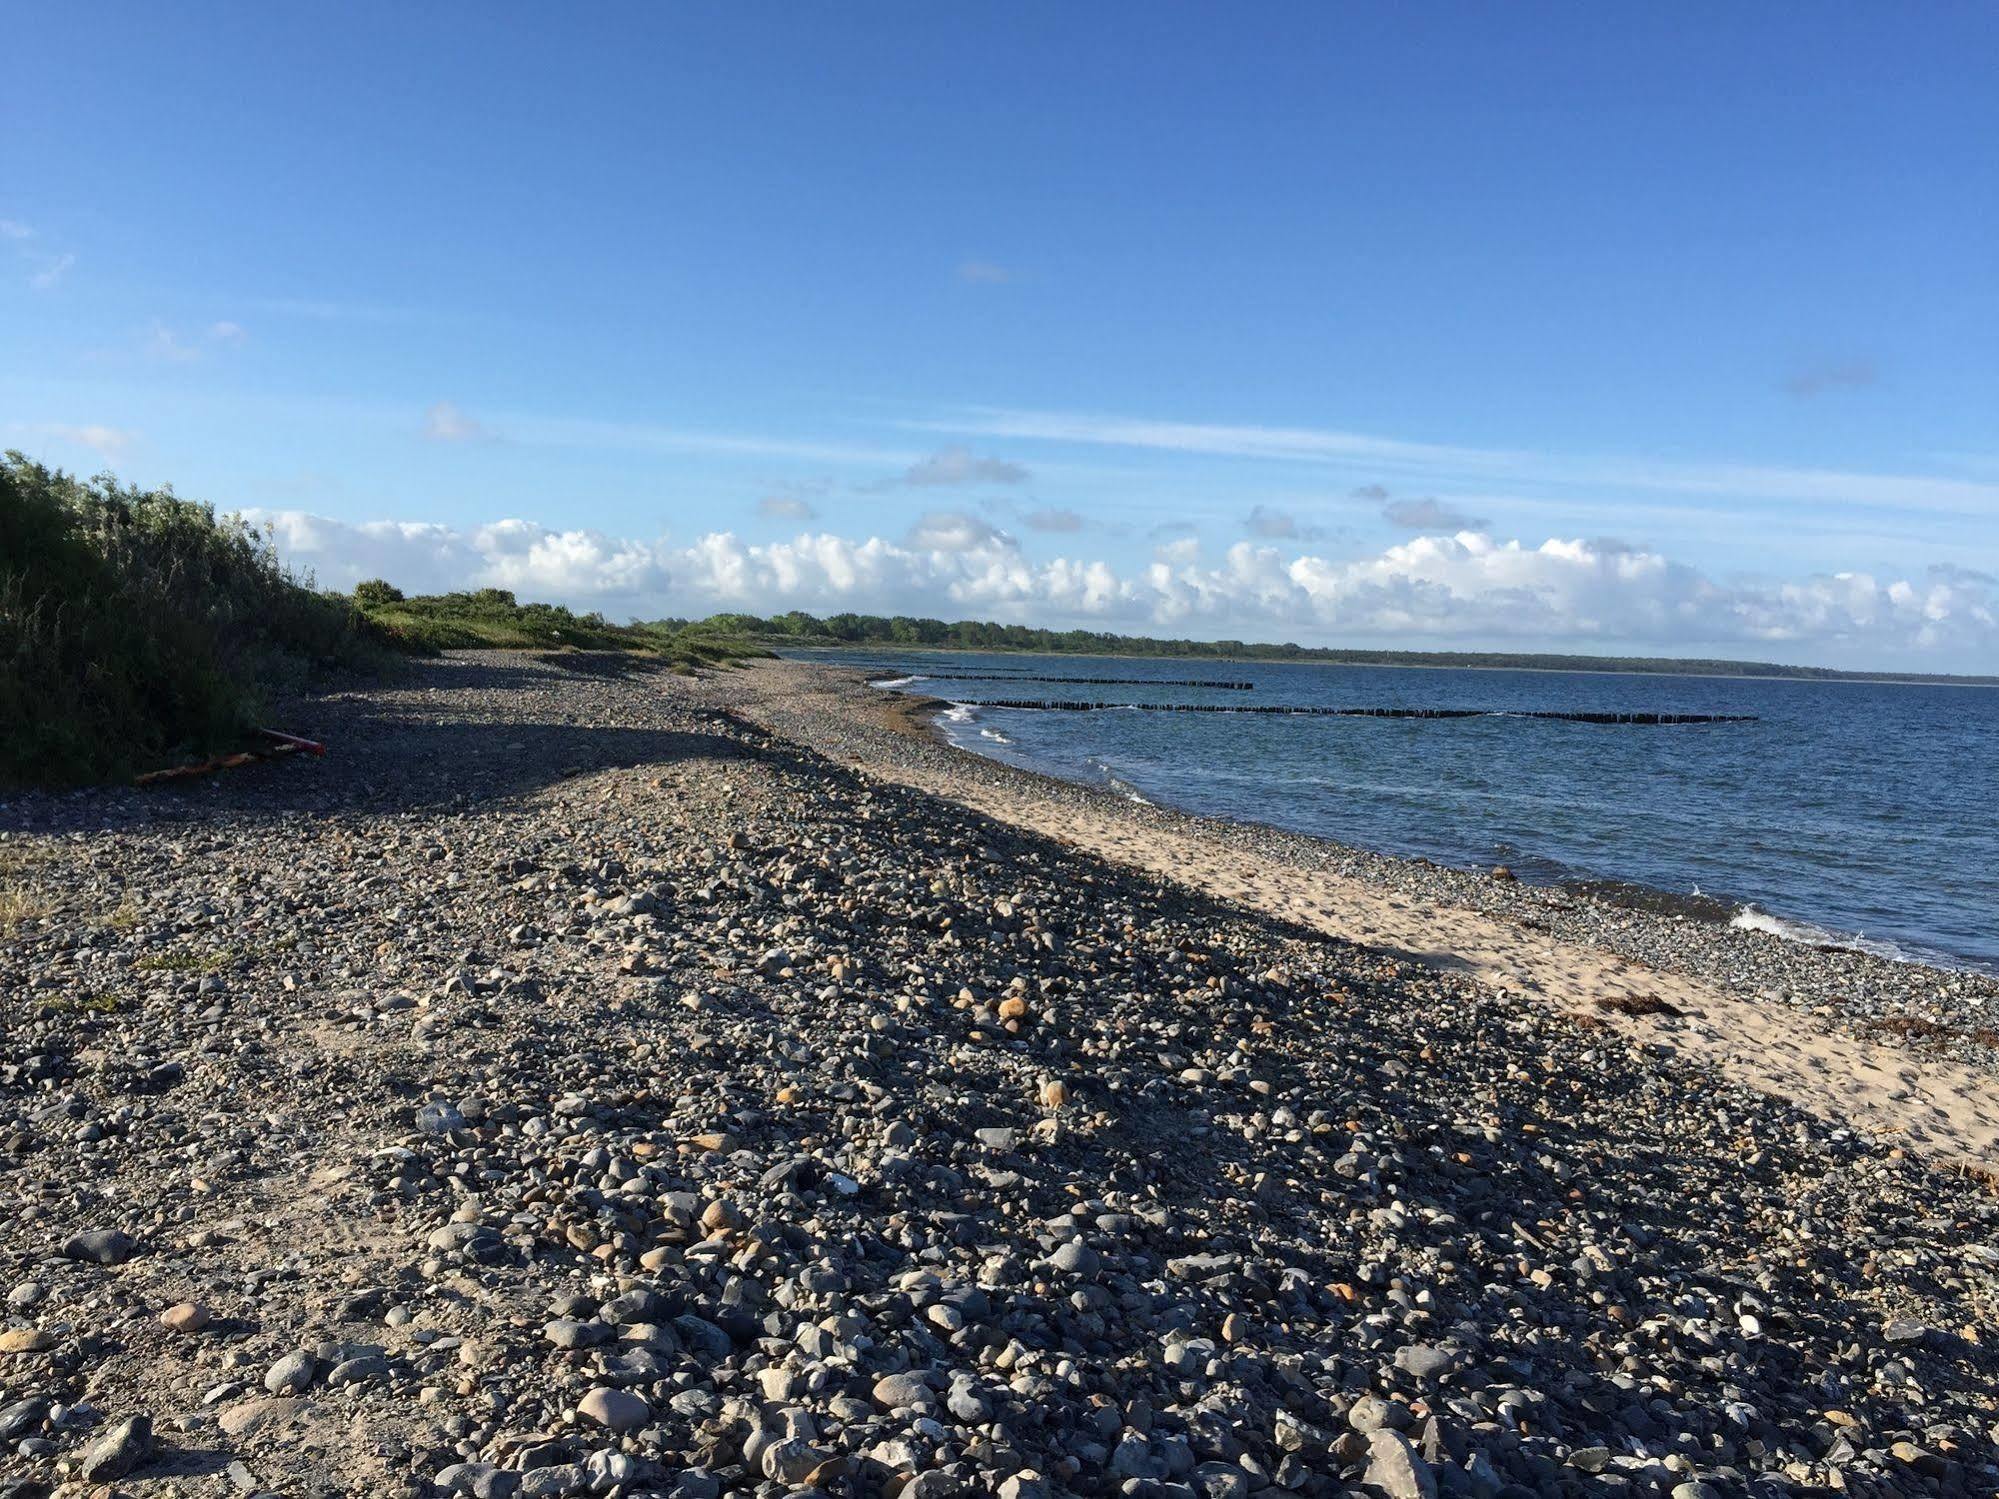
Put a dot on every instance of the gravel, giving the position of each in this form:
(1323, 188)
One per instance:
(567, 1087)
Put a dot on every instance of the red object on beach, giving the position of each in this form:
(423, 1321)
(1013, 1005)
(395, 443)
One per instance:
(282, 744)
(310, 746)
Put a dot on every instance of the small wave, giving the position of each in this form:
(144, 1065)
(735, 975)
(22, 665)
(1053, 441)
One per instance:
(1118, 783)
(895, 681)
(995, 735)
(960, 713)
(1809, 934)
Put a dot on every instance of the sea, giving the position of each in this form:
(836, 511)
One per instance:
(1851, 813)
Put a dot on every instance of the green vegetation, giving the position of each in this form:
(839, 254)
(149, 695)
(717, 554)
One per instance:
(903, 632)
(137, 627)
(187, 960)
(491, 618)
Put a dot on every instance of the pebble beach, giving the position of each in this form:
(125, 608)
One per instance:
(592, 1080)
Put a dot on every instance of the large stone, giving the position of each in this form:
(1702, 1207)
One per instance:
(121, 1449)
(291, 1374)
(101, 1246)
(1395, 1469)
(614, 1410)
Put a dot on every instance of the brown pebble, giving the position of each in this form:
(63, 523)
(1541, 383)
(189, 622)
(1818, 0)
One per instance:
(186, 1316)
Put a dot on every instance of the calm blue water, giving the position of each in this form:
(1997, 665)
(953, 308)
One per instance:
(1857, 809)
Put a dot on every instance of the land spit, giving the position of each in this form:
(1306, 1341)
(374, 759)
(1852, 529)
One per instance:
(588, 1080)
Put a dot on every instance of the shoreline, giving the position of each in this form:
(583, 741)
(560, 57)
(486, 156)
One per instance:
(587, 1078)
(1607, 890)
(1900, 1048)
(1913, 977)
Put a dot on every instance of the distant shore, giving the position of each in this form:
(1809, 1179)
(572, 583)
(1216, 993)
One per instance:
(1611, 666)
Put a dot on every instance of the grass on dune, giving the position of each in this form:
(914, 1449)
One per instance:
(493, 619)
(139, 630)
(137, 627)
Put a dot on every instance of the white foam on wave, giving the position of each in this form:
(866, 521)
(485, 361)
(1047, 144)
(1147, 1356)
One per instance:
(995, 735)
(895, 682)
(1788, 929)
(1119, 784)
(1129, 792)
(960, 713)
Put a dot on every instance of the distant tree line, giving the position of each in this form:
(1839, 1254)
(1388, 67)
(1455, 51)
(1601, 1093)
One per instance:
(902, 630)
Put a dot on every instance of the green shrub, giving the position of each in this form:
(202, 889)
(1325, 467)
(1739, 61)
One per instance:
(137, 628)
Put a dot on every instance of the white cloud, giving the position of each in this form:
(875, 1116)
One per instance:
(983, 273)
(956, 465)
(1458, 590)
(226, 332)
(444, 422)
(109, 443)
(1429, 515)
(15, 229)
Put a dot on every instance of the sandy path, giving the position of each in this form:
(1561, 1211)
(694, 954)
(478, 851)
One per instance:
(1948, 1112)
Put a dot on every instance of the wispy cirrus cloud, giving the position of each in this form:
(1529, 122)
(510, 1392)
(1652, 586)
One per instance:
(46, 268)
(51, 271)
(983, 273)
(446, 421)
(1439, 462)
(108, 442)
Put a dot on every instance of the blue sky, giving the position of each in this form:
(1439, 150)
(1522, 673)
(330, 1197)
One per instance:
(1607, 328)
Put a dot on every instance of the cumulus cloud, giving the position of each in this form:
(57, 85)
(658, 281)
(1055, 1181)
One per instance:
(1466, 588)
(226, 332)
(1429, 515)
(958, 465)
(1052, 519)
(1823, 375)
(785, 507)
(15, 229)
(445, 422)
(1374, 492)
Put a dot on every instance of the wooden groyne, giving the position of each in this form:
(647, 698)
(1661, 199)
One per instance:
(1058, 706)
(980, 676)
